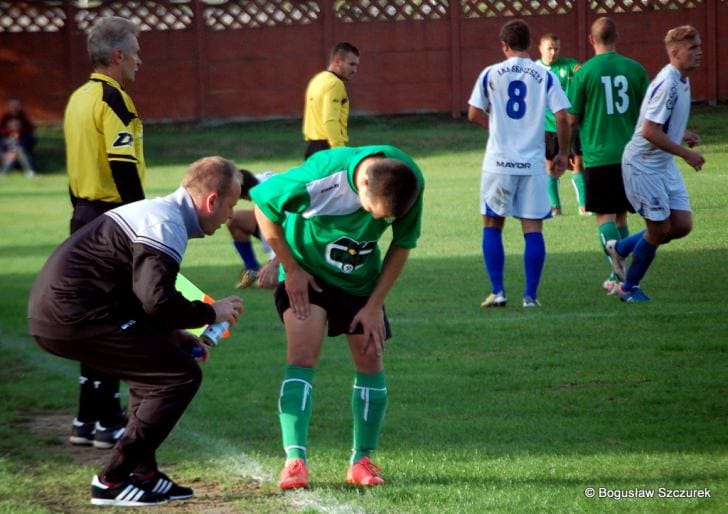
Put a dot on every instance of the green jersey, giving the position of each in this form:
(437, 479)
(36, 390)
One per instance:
(330, 235)
(606, 93)
(563, 68)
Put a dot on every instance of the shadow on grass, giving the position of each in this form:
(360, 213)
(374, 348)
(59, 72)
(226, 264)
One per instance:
(584, 374)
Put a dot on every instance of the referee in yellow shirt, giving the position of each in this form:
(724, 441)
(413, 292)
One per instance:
(106, 169)
(326, 114)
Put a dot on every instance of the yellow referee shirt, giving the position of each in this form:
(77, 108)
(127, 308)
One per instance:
(327, 110)
(101, 125)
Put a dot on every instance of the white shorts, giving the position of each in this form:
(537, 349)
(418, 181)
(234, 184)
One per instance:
(654, 193)
(520, 196)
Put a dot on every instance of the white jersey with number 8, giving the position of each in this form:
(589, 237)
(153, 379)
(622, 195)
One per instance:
(516, 94)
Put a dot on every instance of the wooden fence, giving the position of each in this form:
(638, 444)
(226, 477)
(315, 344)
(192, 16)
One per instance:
(236, 59)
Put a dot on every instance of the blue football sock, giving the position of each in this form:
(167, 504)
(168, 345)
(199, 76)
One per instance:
(642, 257)
(534, 257)
(245, 249)
(626, 245)
(494, 257)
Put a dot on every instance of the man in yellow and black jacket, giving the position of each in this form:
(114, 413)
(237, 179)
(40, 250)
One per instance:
(105, 164)
(326, 112)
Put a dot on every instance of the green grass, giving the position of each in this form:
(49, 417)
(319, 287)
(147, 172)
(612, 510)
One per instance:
(503, 410)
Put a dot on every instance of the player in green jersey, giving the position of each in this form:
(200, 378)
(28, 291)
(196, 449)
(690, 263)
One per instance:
(563, 67)
(323, 220)
(606, 94)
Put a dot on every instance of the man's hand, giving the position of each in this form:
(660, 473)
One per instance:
(297, 282)
(268, 274)
(691, 138)
(559, 164)
(371, 320)
(190, 344)
(228, 309)
(695, 160)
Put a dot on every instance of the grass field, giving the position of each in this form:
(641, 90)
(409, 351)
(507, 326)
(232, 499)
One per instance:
(503, 410)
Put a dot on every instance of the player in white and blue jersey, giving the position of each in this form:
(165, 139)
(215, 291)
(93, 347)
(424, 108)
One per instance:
(652, 181)
(510, 99)
(243, 227)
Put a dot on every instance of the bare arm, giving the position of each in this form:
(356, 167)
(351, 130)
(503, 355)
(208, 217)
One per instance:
(371, 316)
(297, 279)
(477, 116)
(653, 133)
(563, 134)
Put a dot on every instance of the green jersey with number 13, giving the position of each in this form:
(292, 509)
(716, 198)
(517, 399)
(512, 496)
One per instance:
(606, 93)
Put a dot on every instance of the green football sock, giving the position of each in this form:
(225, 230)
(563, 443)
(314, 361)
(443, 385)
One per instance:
(577, 180)
(554, 193)
(368, 404)
(294, 410)
(607, 232)
(623, 232)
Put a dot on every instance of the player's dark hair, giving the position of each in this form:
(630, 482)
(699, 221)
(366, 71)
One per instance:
(394, 183)
(604, 31)
(516, 35)
(342, 49)
(248, 182)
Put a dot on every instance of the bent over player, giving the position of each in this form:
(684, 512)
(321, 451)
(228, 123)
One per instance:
(323, 220)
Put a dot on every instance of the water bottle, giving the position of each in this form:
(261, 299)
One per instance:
(214, 332)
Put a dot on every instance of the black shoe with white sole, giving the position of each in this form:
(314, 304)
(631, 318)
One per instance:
(82, 433)
(160, 483)
(106, 437)
(127, 494)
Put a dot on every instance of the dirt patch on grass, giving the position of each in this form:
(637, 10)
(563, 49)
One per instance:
(209, 497)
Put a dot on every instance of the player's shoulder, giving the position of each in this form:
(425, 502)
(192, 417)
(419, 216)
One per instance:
(633, 63)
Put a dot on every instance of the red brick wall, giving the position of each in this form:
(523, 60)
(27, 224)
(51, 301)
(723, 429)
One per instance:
(252, 60)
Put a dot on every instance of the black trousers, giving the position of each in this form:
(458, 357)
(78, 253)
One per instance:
(98, 398)
(162, 380)
(315, 145)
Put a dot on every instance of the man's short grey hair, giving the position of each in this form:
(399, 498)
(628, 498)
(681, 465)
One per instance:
(108, 34)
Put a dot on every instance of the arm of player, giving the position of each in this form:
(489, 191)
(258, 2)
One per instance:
(126, 178)
(331, 116)
(297, 279)
(371, 316)
(653, 133)
(563, 134)
(477, 116)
